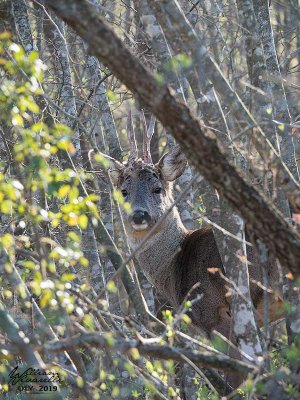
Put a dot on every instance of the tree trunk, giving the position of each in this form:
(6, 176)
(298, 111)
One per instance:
(281, 113)
(231, 250)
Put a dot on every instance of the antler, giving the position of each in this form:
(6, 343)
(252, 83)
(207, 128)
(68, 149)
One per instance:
(131, 137)
(147, 136)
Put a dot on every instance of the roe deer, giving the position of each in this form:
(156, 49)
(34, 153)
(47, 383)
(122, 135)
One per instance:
(174, 259)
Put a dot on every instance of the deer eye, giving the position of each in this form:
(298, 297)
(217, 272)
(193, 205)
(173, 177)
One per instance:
(157, 190)
(124, 192)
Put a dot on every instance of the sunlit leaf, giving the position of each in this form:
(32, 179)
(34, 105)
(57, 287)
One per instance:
(83, 221)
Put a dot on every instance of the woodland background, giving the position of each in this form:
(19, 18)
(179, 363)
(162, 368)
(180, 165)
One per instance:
(72, 299)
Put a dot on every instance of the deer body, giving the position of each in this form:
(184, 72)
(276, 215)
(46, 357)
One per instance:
(174, 259)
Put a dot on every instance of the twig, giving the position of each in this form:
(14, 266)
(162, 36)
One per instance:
(92, 91)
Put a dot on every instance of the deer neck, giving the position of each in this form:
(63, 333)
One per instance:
(156, 256)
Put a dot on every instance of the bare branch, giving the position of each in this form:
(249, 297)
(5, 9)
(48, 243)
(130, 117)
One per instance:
(163, 352)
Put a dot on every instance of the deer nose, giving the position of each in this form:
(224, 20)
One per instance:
(140, 217)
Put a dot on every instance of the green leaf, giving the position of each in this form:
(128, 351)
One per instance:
(101, 159)
(28, 264)
(67, 277)
(88, 322)
(112, 96)
(186, 319)
(84, 261)
(30, 104)
(111, 287)
(80, 381)
(6, 206)
(17, 120)
(34, 55)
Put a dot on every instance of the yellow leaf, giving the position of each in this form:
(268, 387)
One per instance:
(111, 287)
(46, 297)
(72, 219)
(135, 353)
(186, 319)
(17, 120)
(83, 221)
(63, 190)
(6, 207)
(80, 381)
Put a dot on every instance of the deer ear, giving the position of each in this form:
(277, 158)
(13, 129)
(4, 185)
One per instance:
(172, 164)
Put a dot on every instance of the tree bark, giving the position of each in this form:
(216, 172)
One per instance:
(280, 111)
(22, 26)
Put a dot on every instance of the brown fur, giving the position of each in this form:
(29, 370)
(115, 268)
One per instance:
(198, 254)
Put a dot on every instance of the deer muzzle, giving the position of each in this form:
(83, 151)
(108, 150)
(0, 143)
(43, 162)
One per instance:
(140, 220)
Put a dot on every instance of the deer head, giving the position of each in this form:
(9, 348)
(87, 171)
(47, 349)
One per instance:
(146, 186)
